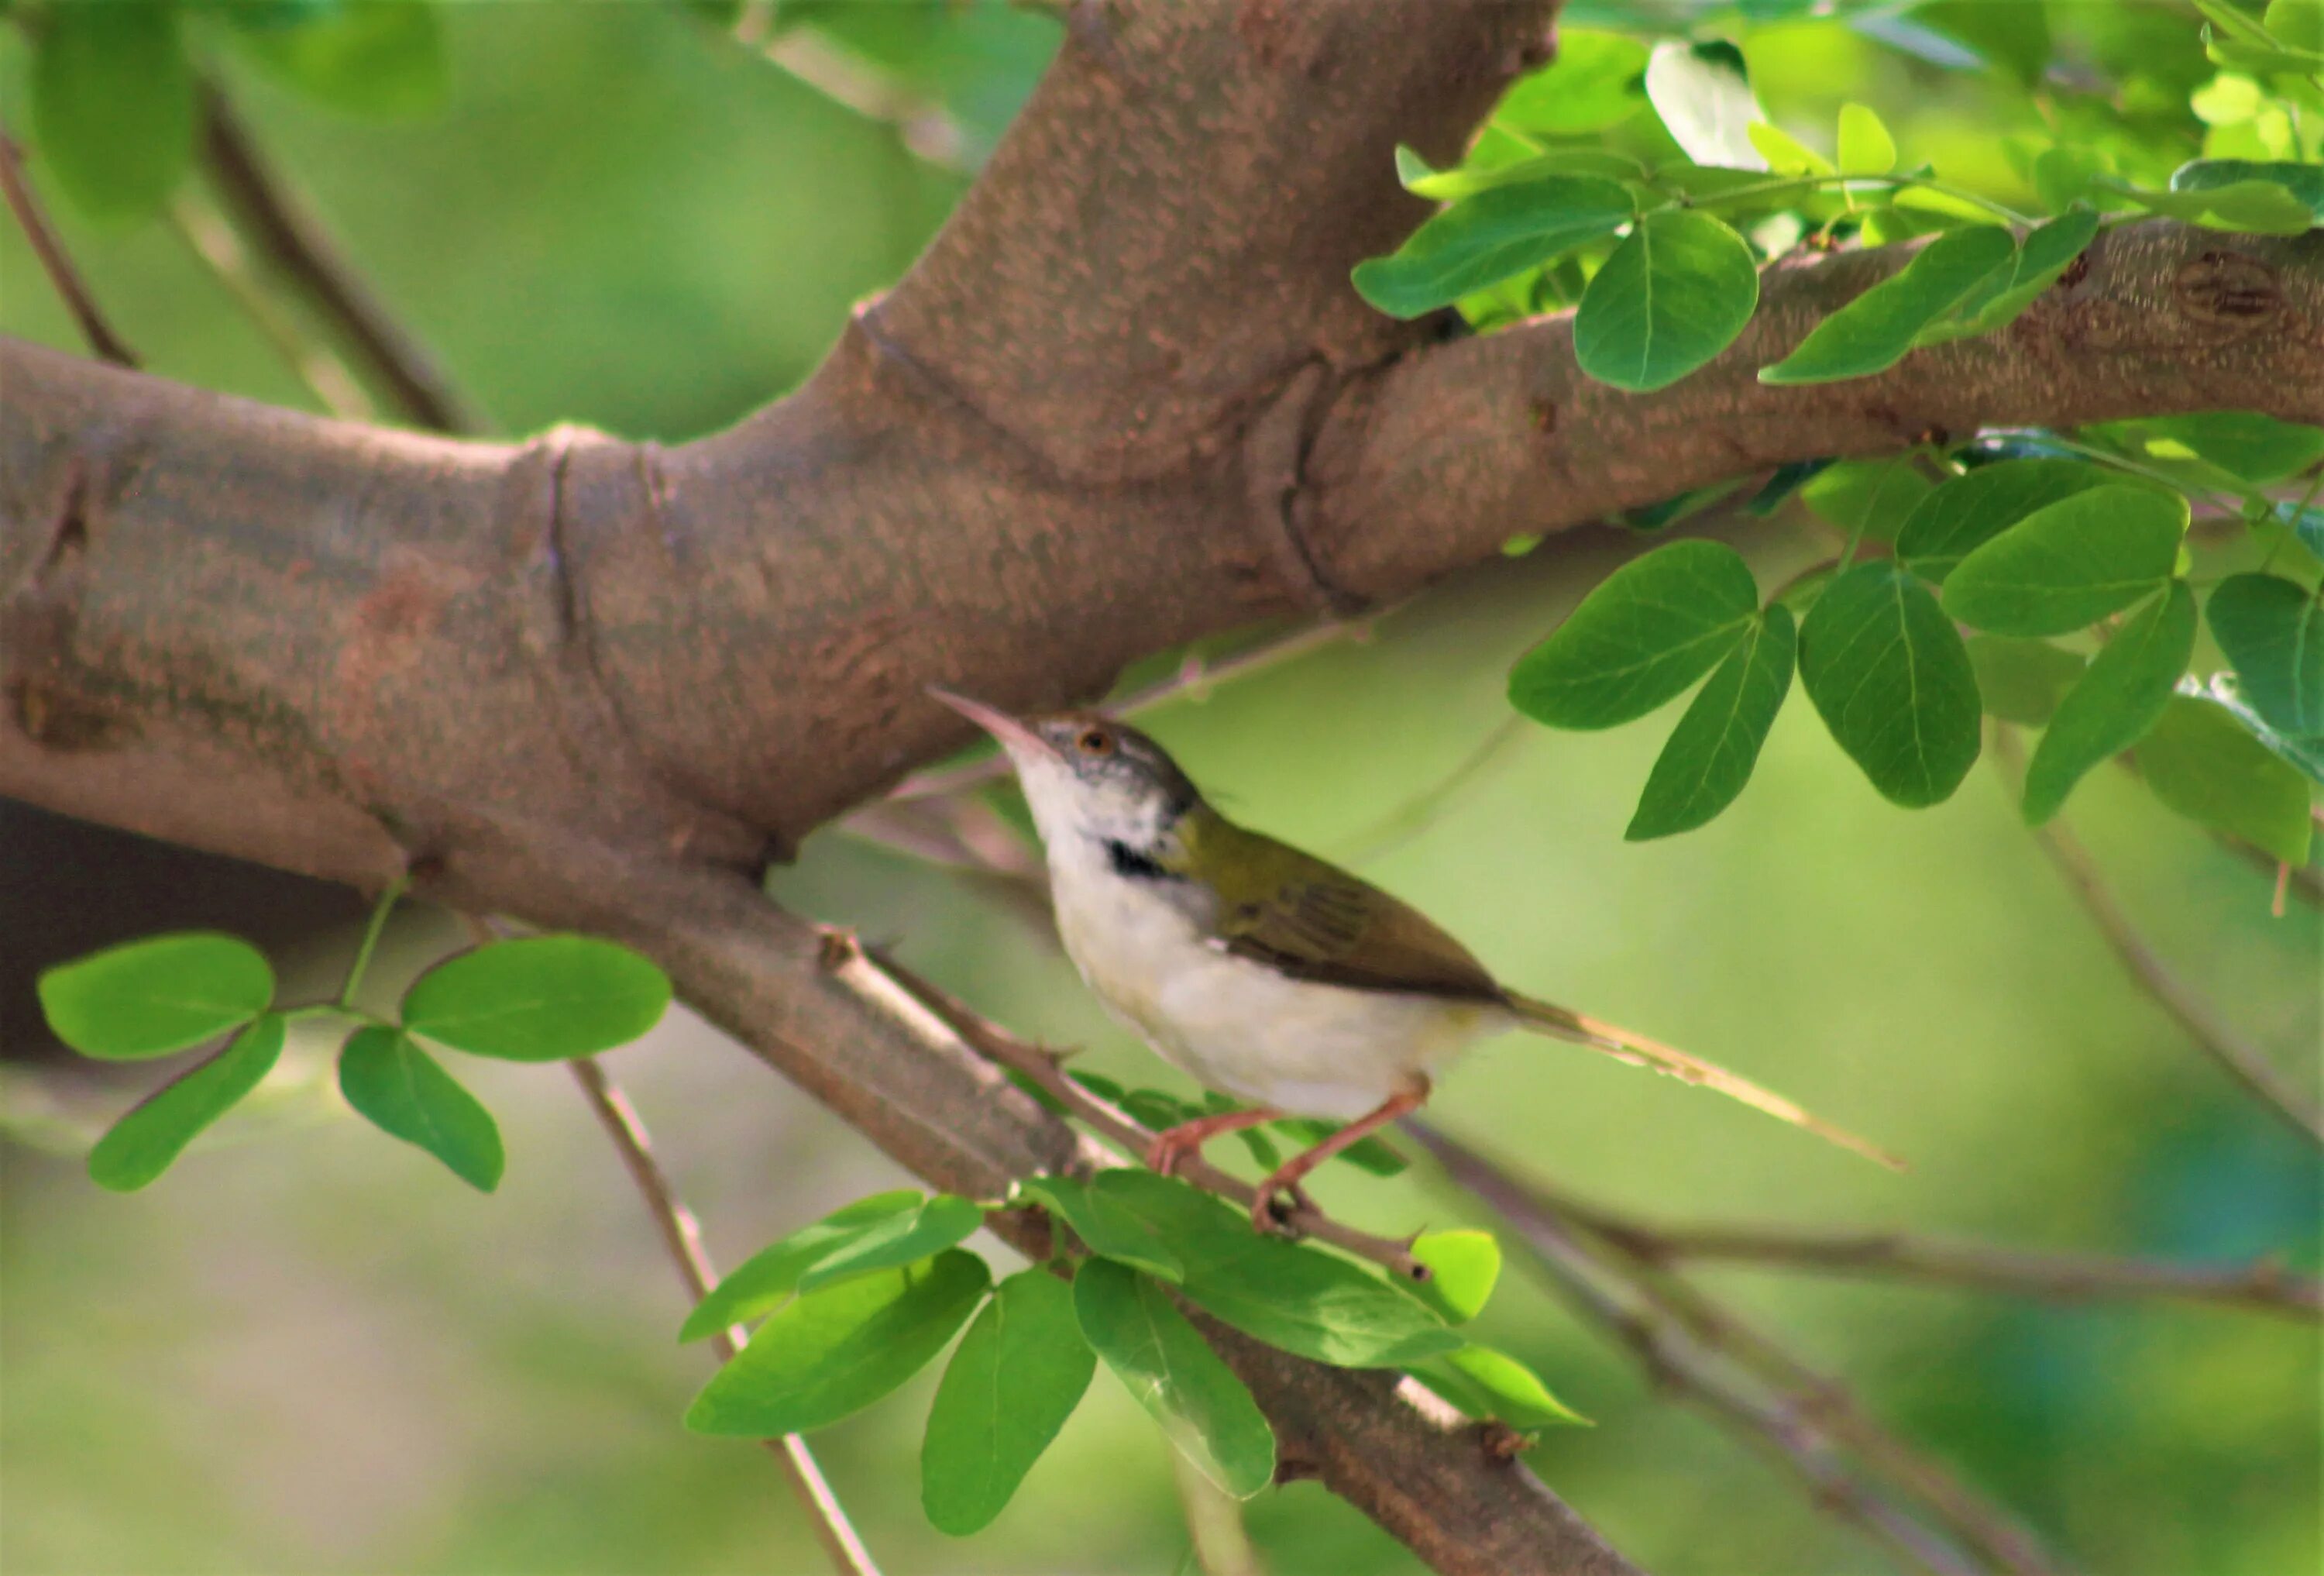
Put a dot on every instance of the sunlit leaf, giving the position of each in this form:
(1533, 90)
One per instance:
(2116, 699)
(766, 1279)
(1640, 638)
(1206, 1412)
(1463, 1267)
(1786, 154)
(1704, 95)
(1105, 1228)
(1875, 330)
(2041, 260)
(1491, 236)
(1016, 1376)
(399, 1088)
(1866, 146)
(2265, 208)
(149, 997)
(896, 1239)
(540, 998)
(835, 1351)
(1594, 83)
(2304, 181)
(142, 1145)
(1485, 1383)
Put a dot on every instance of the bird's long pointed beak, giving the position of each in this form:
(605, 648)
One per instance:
(1013, 734)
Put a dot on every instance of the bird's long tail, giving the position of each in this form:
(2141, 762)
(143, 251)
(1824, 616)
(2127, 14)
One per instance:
(1562, 1023)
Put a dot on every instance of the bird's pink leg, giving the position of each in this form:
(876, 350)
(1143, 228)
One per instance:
(1284, 1182)
(1173, 1145)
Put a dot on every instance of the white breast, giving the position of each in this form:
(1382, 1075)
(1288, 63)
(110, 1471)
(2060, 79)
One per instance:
(1237, 1025)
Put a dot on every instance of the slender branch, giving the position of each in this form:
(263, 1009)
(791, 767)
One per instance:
(681, 1234)
(924, 126)
(1402, 822)
(55, 260)
(1043, 1068)
(2265, 1286)
(214, 241)
(1555, 1227)
(294, 240)
(2242, 1060)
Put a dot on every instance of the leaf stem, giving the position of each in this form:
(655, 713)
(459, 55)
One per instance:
(379, 913)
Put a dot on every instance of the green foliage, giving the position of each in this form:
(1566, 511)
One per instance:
(540, 998)
(2206, 765)
(2273, 633)
(141, 1146)
(371, 57)
(894, 1241)
(1491, 236)
(1484, 1382)
(834, 1352)
(401, 1090)
(2116, 699)
(1711, 751)
(2070, 563)
(766, 1280)
(1675, 294)
(2305, 182)
(1016, 1376)
(1649, 629)
(1704, 93)
(2022, 681)
(1969, 510)
(1892, 680)
(146, 999)
(1595, 83)
(1206, 1412)
(1879, 327)
(1463, 1267)
(113, 105)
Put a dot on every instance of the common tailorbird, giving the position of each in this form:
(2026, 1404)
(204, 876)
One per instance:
(1260, 971)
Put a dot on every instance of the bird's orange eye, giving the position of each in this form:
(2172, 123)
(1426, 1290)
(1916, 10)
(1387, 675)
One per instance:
(1095, 742)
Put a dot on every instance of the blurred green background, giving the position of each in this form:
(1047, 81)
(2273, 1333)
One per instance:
(310, 1351)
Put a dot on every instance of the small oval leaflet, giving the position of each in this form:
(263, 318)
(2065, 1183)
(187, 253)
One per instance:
(2070, 563)
(1206, 1412)
(2206, 766)
(1888, 672)
(150, 997)
(1711, 753)
(834, 1352)
(2116, 699)
(1016, 1377)
(765, 1280)
(2272, 634)
(538, 999)
(1647, 631)
(1673, 295)
(143, 1144)
(401, 1090)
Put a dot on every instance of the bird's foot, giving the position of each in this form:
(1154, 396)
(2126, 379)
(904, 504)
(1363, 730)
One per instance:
(1277, 1206)
(1169, 1150)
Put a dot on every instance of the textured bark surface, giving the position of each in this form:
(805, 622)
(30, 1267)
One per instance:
(1127, 399)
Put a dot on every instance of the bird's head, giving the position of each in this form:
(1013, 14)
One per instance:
(1085, 775)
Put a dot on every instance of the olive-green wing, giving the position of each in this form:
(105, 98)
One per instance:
(1314, 921)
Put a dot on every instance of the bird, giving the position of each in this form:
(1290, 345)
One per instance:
(1262, 971)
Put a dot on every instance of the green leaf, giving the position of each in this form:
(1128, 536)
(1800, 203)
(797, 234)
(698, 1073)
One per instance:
(2296, 23)
(895, 1241)
(2251, 446)
(2204, 764)
(2070, 563)
(141, 1146)
(2265, 208)
(1786, 154)
(2303, 752)
(2013, 37)
(2304, 181)
(765, 1280)
(380, 58)
(1593, 83)
(1374, 1155)
(541, 999)
(1206, 1412)
(2022, 681)
(1711, 751)
(113, 105)
(1649, 629)
(2065, 175)
(1422, 180)
(1999, 299)
(1865, 148)
(835, 1351)
(1969, 510)
(1105, 1228)
(146, 999)
(1892, 681)
(1875, 330)
(2272, 634)
(1873, 498)
(1463, 1267)
(398, 1088)
(1489, 236)
(1486, 1383)
(1704, 95)
(2117, 698)
(1017, 1375)
(1294, 1297)
(1673, 295)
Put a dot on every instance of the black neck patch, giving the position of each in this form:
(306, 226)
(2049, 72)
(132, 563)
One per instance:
(1137, 865)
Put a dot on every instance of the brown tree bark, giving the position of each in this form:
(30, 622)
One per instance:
(1127, 397)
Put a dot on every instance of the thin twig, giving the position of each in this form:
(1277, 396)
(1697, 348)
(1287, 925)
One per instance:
(279, 226)
(682, 1235)
(1405, 821)
(997, 1044)
(55, 262)
(1194, 676)
(1558, 1229)
(2242, 1060)
(2265, 1286)
(215, 242)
